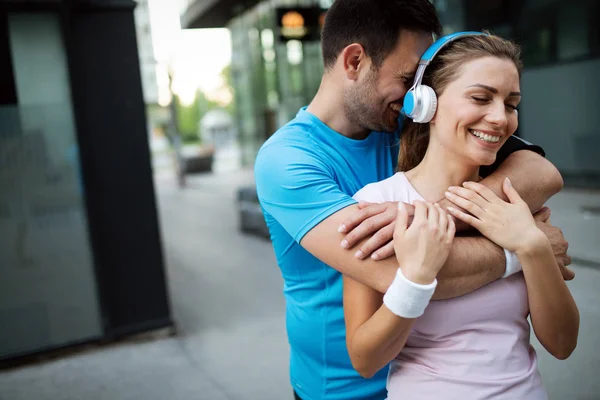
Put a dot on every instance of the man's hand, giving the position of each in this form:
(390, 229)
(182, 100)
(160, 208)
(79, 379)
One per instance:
(378, 220)
(557, 240)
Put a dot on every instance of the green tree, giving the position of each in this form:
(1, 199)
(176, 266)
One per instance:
(187, 120)
(189, 117)
(226, 75)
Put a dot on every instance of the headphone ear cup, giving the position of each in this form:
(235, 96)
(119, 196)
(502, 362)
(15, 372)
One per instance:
(428, 104)
(409, 103)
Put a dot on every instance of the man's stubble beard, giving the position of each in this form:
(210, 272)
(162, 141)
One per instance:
(362, 108)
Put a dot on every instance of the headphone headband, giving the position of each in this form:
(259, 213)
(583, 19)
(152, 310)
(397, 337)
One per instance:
(431, 52)
(420, 102)
(441, 42)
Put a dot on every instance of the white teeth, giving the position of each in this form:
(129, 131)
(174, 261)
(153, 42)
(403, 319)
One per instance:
(485, 137)
(395, 107)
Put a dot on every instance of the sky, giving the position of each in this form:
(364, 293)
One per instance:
(196, 56)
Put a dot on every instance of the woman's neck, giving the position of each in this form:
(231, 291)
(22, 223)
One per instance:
(439, 170)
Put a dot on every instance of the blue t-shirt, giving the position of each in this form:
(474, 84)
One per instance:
(304, 173)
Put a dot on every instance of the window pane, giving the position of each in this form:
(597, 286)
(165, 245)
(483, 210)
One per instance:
(47, 286)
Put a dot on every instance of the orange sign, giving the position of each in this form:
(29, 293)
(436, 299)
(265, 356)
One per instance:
(299, 23)
(292, 19)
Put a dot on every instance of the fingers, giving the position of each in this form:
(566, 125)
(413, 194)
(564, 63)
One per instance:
(543, 214)
(451, 229)
(446, 224)
(384, 252)
(377, 241)
(483, 191)
(464, 217)
(420, 212)
(433, 218)
(366, 210)
(510, 192)
(420, 217)
(363, 204)
(366, 222)
(467, 199)
(443, 218)
(459, 225)
(401, 219)
(567, 273)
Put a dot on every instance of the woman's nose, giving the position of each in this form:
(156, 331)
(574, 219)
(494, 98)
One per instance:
(497, 115)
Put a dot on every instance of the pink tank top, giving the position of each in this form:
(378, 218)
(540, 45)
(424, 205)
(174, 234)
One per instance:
(473, 347)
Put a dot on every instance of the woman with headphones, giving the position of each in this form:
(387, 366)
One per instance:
(476, 346)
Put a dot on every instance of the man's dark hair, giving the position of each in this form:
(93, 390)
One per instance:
(375, 24)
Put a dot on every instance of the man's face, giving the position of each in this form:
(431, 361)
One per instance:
(374, 102)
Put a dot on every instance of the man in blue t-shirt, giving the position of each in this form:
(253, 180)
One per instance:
(346, 138)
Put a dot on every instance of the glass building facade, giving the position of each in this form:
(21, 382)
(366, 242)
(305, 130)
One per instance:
(561, 41)
(560, 82)
(78, 219)
(48, 293)
(272, 78)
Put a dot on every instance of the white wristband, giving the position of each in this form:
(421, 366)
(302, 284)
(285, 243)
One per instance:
(513, 265)
(408, 299)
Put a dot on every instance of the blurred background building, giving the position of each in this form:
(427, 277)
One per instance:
(146, 52)
(80, 255)
(276, 66)
(85, 83)
(89, 87)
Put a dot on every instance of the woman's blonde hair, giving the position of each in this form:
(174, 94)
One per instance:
(443, 69)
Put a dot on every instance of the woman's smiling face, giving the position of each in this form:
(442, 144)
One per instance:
(476, 112)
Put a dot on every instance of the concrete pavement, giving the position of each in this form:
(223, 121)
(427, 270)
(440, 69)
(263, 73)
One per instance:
(226, 297)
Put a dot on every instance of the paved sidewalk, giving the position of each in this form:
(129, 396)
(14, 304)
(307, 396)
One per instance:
(226, 296)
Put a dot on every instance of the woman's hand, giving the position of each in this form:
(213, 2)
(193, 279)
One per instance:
(509, 225)
(422, 248)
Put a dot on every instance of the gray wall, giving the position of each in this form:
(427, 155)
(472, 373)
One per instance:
(560, 112)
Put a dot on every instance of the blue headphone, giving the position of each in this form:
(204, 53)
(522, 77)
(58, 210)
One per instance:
(420, 102)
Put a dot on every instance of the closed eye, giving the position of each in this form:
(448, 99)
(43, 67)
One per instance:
(485, 100)
(407, 79)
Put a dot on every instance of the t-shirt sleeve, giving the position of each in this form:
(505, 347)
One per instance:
(370, 194)
(514, 143)
(297, 187)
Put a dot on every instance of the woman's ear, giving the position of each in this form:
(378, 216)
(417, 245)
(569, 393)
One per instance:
(434, 119)
(354, 59)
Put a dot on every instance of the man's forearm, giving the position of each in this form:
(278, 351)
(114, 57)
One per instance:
(535, 178)
(473, 262)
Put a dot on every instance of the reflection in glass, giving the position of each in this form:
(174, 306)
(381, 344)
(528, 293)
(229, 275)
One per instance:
(47, 288)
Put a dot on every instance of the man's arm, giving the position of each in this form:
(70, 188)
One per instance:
(473, 261)
(534, 177)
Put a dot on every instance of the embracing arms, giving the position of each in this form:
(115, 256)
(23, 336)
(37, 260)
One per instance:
(534, 177)
(473, 261)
